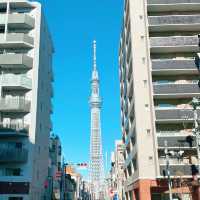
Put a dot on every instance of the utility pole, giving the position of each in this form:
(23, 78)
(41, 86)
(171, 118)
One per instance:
(196, 132)
(168, 171)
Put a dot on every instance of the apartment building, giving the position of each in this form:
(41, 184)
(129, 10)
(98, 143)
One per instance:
(25, 100)
(159, 76)
(55, 152)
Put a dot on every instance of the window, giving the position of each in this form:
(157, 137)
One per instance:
(148, 131)
(16, 172)
(15, 198)
(38, 174)
(2, 29)
(3, 9)
(53, 147)
(18, 145)
(13, 172)
(59, 166)
(59, 150)
(41, 107)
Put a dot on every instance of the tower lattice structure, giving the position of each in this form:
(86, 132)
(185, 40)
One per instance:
(96, 169)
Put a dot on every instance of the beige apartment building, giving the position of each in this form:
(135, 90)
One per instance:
(25, 100)
(159, 76)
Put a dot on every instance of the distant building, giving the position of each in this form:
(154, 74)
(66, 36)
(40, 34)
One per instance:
(77, 178)
(117, 172)
(25, 100)
(55, 151)
(70, 188)
(159, 76)
(85, 191)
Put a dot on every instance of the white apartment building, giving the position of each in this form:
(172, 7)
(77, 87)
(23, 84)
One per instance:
(159, 76)
(25, 100)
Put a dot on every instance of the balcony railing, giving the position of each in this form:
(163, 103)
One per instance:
(16, 40)
(174, 23)
(14, 105)
(18, 20)
(21, 20)
(174, 133)
(188, 141)
(13, 129)
(174, 115)
(174, 161)
(172, 67)
(179, 170)
(13, 155)
(12, 81)
(173, 5)
(15, 61)
(175, 89)
(172, 1)
(174, 44)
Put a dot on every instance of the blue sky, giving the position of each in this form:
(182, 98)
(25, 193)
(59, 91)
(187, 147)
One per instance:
(74, 25)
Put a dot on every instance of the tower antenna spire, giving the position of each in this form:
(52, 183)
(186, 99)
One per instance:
(94, 55)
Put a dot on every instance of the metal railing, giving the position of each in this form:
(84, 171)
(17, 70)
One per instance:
(12, 80)
(15, 104)
(14, 126)
(172, 1)
(11, 154)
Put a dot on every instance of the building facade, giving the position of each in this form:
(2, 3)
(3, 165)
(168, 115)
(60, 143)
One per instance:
(119, 166)
(55, 171)
(117, 173)
(76, 178)
(159, 76)
(25, 100)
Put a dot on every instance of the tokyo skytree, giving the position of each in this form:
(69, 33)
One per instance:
(96, 169)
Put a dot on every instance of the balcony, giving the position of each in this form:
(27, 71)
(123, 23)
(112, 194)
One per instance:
(130, 157)
(16, 82)
(18, 4)
(21, 61)
(175, 161)
(176, 141)
(13, 129)
(173, 5)
(174, 44)
(18, 21)
(14, 105)
(174, 23)
(128, 160)
(179, 169)
(173, 67)
(181, 133)
(174, 90)
(16, 40)
(175, 115)
(12, 154)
